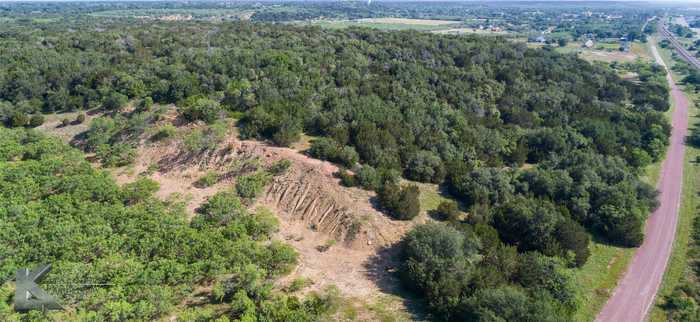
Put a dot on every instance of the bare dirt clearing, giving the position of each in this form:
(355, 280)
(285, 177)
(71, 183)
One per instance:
(342, 240)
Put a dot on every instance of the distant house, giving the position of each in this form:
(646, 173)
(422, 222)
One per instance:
(540, 39)
(588, 44)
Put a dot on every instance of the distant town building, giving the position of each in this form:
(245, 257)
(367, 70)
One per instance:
(588, 44)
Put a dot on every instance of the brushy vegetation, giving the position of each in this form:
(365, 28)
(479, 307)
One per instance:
(144, 252)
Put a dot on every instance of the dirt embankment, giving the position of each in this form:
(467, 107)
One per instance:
(336, 230)
(341, 238)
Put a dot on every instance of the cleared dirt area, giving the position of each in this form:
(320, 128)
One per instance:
(422, 22)
(342, 240)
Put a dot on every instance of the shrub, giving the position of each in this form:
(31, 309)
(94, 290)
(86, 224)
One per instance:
(425, 166)
(164, 132)
(436, 260)
(367, 178)
(207, 180)
(323, 148)
(251, 186)
(573, 237)
(329, 149)
(100, 131)
(146, 103)
(65, 122)
(287, 134)
(400, 203)
(36, 120)
(80, 118)
(447, 210)
(139, 190)
(115, 101)
(346, 179)
(279, 167)
(201, 108)
(205, 139)
(19, 119)
(347, 156)
(115, 155)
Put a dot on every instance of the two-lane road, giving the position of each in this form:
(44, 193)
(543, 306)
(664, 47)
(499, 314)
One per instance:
(635, 293)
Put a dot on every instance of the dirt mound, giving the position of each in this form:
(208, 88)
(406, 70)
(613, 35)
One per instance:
(336, 230)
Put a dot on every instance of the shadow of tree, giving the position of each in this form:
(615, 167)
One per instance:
(383, 269)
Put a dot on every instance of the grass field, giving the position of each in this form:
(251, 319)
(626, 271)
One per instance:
(404, 21)
(390, 24)
(604, 54)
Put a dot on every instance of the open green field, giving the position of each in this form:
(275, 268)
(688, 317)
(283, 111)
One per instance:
(390, 24)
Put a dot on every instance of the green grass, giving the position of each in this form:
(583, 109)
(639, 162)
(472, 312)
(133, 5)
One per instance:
(598, 277)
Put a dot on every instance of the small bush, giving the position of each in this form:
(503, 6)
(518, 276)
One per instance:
(201, 108)
(80, 118)
(326, 246)
(65, 122)
(279, 167)
(116, 155)
(287, 135)
(346, 179)
(115, 101)
(139, 190)
(205, 139)
(329, 149)
(164, 132)
(36, 120)
(447, 210)
(19, 119)
(367, 177)
(146, 104)
(400, 203)
(207, 180)
(251, 186)
(298, 284)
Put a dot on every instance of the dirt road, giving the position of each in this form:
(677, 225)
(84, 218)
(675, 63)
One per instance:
(637, 290)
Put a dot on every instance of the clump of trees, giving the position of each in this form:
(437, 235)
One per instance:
(400, 202)
(453, 268)
(329, 149)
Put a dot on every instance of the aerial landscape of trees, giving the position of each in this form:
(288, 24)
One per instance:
(543, 150)
(56, 208)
